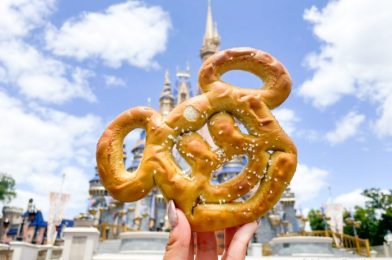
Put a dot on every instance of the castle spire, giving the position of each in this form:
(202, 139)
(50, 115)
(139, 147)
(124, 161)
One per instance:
(183, 87)
(166, 100)
(209, 32)
(167, 79)
(211, 40)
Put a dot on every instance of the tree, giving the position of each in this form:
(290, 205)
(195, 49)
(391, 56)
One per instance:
(7, 188)
(316, 220)
(378, 199)
(369, 224)
(372, 221)
(375, 217)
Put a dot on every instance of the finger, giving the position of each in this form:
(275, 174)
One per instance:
(206, 246)
(178, 244)
(240, 241)
(229, 234)
(191, 251)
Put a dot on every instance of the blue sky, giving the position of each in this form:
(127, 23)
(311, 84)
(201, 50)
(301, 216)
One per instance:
(69, 67)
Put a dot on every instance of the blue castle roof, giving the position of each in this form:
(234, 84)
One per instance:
(95, 178)
(38, 221)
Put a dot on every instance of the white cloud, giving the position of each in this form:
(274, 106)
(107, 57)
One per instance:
(383, 125)
(38, 144)
(355, 57)
(127, 32)
(308, 182)
(36, 75)
(346, 127)
(286, 118)
(19, 17)
(113, 81)
(140, 34)
(41, 77)
(351, 199)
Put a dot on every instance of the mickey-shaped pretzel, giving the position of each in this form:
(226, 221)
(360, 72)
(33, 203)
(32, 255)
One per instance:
(271, 155)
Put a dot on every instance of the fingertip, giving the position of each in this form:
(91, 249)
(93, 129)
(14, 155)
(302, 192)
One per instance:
(248, 227)
(239, 243)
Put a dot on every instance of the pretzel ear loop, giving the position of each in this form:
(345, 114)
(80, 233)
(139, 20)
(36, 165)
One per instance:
(277, 79)
(121, 184)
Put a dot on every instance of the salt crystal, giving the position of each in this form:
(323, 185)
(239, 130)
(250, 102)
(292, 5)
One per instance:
(191, 114)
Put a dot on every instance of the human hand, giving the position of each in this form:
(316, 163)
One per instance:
(180, 244)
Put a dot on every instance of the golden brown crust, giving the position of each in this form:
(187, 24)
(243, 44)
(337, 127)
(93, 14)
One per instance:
(272, 156)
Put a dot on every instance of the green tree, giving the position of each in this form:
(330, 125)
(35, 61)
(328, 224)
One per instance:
(385, 222)
(369, 224)
(378, 199)
(375, 218)
(316, 220)
(7, 188)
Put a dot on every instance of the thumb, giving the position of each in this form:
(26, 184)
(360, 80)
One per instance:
(177, 247)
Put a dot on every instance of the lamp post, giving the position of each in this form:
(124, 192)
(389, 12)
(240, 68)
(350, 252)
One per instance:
(325, 219)
(355, 223)
(302, 223)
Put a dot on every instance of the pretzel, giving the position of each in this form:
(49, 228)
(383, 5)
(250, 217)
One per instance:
(271, 155)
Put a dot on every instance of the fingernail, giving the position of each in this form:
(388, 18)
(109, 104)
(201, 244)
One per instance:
(172, 214)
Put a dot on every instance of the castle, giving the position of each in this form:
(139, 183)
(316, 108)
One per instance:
(149, 213)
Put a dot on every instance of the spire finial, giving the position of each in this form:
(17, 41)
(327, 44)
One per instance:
(167, 77)
(188, 67)
(166, 100)
(211, 40)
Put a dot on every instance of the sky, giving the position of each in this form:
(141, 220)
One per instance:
(67, 68)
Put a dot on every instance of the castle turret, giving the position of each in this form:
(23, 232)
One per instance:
(287, 201)
(211, 39)
(166, 100)
(137, 152)
(97, 197)
(96, 188)
(183, 85)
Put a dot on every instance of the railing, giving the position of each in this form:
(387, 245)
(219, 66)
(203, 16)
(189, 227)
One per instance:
(361, 246)
(358, 245)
